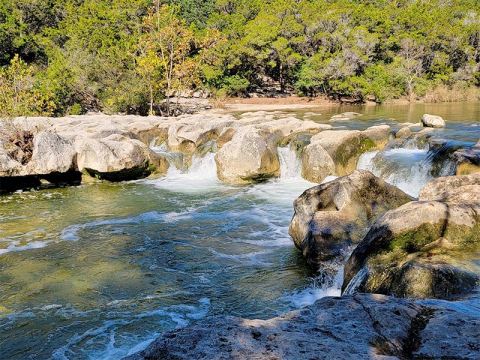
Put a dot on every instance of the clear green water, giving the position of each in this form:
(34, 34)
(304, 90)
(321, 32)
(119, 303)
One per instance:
(97, 271)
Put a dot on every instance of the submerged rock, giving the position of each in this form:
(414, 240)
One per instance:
(433, 121)
(349, 115)
(423, 249)
(251, 156)
(351, 327)
(332, 216)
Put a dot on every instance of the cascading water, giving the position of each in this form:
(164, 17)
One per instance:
(200, 176)
(410, 169)
(124, 262)
(290, 164)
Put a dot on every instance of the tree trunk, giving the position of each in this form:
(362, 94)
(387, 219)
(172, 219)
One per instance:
(151, 101)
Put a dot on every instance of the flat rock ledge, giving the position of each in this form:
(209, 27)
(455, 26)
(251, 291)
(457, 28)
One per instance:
(363, 326)
(115, 148)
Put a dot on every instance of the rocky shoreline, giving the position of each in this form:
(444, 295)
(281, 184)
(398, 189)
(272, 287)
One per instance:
(363, 326)
(71, 150)
(403, 247)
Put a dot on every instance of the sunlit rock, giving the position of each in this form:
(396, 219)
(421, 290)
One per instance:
(331, 217)
(317, 164)
(351, 327)
(344, 147)
(433, 121)
(425, 248)
(250, 156)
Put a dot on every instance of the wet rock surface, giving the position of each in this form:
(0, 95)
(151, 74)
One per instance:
(423, 249)
(330, 217)
(351, 327)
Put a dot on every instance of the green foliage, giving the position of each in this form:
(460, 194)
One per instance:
(19, 92)
(235, 85)
(130, 55)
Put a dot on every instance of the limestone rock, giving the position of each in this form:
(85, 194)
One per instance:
(379, 134)
(345, 147)
(114, 158)
(351, 327)
(317, 164)
(433, 121)
(289, 127)
(332, 216)
(186, 137)
(52, 153)
(423, 249)
(250, 156)
(448, 188)
(404, 132)
(468, 160)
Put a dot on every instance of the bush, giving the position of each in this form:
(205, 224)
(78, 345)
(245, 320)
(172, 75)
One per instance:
(235, 85)
(20, 94)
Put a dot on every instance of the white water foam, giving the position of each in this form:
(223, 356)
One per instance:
(16, 246)
(408, 169)
(200, 177)
(311, 294)
(111, 332)
(70, 233)
(289, 186)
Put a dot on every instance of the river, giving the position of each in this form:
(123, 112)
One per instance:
(99, 270)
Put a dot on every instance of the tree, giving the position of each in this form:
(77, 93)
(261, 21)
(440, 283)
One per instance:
(167, 43)
(409, 64)
(18, 93)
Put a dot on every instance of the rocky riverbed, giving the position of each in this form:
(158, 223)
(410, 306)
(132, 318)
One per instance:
(116, 148)
(392, 210)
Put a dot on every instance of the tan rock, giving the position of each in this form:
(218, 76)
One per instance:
(317, 164)
(330, 217)
(344, 147)
(250, 156)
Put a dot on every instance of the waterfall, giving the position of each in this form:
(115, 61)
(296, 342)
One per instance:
(290, 165)
(200, 176)
(356, 281)
(410, 169)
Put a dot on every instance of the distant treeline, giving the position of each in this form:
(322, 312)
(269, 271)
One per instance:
(71, 56)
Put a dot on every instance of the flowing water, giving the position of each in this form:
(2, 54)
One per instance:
(98, 271)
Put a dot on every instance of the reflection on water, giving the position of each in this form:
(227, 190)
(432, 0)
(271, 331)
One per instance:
(99, 270)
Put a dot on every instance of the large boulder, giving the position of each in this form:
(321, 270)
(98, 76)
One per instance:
(52, 153)
(433, 121)
(187, 137)
(344, 147)
(114, 158)
(351, 327)
(423, 249)
(330, 217)
(317, 164)
(251, 156)
(447, 188)
(379, 134)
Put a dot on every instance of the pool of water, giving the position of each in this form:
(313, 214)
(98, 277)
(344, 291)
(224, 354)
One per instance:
(98, 271)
